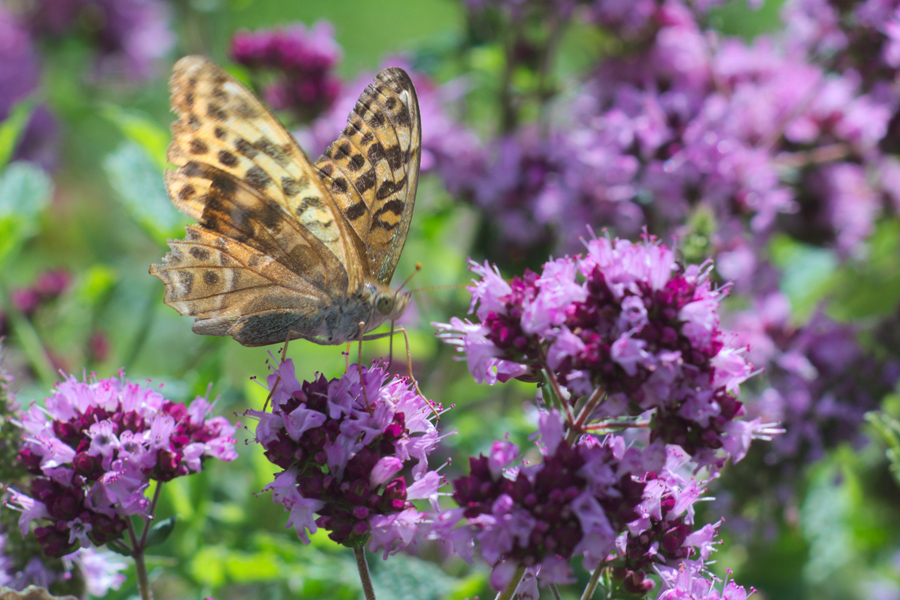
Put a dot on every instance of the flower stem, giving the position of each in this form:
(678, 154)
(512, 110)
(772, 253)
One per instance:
(592, 584)
(364, 576)
(139, 565)
(152, 514)
(30, 342)
(510, 589)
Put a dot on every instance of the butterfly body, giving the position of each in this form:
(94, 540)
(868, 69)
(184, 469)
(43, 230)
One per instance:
(285, 249)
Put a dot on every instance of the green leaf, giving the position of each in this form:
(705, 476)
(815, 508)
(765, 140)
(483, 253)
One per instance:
(140, 129)
(96, 283)
(808, 273)
(258, 566)
(889, 430)
(139, 187)
(207, 566)
(870, 287)
(24, 193)
(407, 577)
(11, 129)
(160, 532)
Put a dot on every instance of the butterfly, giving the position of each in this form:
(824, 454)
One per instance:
(283, 248)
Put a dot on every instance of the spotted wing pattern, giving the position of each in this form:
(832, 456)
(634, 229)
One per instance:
(233, 289)
(222, 125)
(372, 169)
(274, 254)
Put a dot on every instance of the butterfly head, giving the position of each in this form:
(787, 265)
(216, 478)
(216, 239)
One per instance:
(391, 304)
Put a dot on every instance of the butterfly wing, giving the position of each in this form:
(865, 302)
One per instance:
(372, 169)
(234, 289)
(222, 127)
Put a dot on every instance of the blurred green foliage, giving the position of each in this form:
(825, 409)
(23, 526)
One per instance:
(106, 220)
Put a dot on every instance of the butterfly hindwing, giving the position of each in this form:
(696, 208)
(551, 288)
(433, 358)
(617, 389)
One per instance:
(221, 124)
(233, 289)
(372, 169)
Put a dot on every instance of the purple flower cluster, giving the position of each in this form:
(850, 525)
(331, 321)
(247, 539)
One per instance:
(128, 36)
(691, 581)
(93, 450)
(302, 60)
(20, 74)
(348, 448)
(96, 571)
(621, 506)
(574, 503)
(818, 382)
(49, 286)
(626, 321)
(859, 35)
(755, 134)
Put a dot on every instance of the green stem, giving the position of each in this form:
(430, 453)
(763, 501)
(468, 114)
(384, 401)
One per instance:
(152, 514)
(555, 591)
(360, 554)
(592, 584)
(139, 564)
(31, 343)
(510, 589)
(137, 344)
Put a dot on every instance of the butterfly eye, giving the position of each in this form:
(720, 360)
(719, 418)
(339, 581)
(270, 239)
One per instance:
(384, 303)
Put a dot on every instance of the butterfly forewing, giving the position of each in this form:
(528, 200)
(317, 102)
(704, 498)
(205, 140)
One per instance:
(372, 169)
(223, 125)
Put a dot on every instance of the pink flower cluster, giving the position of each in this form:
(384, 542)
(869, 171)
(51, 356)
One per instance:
(303, 61)
(623, 320)
(623, 506)
(574, 503)
(94, 449)
(348, 446)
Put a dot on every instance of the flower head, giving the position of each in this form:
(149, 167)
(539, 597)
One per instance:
(127, 36)
(354, 450)
(93, 450)
(303, 61)
(574, 503)
(625, 319)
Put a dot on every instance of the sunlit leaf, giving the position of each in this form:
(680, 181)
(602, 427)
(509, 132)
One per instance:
(808, 273)
(139, 187)
(208, 566)
(96, 283)
(259, 566)
(140, 129)
(11, 129)
(24, 193)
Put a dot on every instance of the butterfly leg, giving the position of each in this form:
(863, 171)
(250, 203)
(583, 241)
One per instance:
(412, 377)
(278, 379)
(362, 327)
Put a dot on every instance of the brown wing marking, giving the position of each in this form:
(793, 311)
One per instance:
(238, 211)
(222, 124)
(225, 284)
(373, 168)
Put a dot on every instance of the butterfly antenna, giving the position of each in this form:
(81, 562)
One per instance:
(454, 286)
(411, 275)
